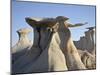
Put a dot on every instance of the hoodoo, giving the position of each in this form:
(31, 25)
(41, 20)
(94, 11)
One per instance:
(53, 48)
(22, 45)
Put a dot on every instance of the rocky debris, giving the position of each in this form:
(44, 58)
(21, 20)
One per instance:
(88, 59)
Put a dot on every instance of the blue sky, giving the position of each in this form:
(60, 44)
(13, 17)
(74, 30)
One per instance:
(76, 13)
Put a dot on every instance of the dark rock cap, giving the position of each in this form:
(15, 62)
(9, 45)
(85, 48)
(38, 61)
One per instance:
(62, 18)
(91, 28)
(45, 22)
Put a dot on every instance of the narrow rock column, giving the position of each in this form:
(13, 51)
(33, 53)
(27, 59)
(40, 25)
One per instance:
(90, 40)
(23, 41)
(35, 49)
(89, 45)
(72, 57)
(31, 55)
(83, 43)
(93, 41)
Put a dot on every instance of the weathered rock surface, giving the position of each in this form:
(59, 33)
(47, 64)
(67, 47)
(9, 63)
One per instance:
(87, 42)
(23, 41)
(88, 59)
(73, 60)
(53, 48)
(50, 59)
(22, 45)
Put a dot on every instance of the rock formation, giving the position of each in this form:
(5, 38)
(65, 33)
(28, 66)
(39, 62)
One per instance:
(23, 41)
(87, 42)
(91, 32)
(87, 46)
(72, 57)
(53, 48)
(88, 59)
(48, 58)
(22, 45)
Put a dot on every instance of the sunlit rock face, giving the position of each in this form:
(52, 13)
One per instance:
(53, 48)
(87, 42)
(88, 59)
(23, 41)
(50, 57)
(22, 45)
(64, 42)
(73, 60)
(87, 51)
